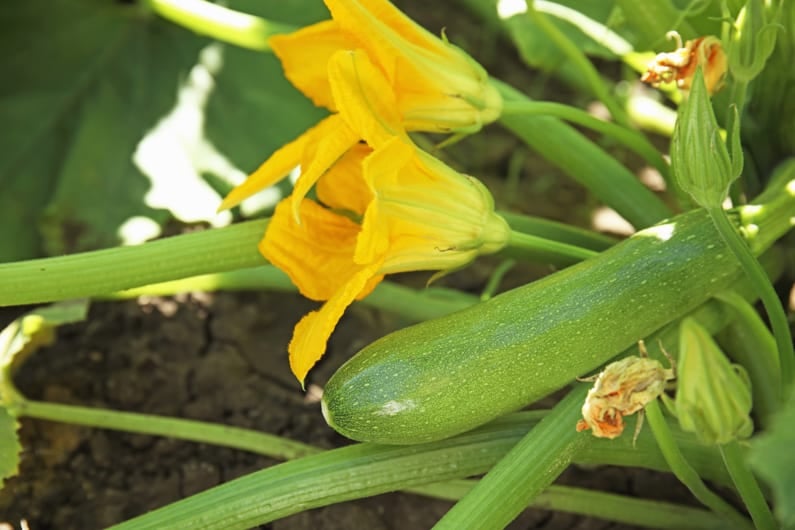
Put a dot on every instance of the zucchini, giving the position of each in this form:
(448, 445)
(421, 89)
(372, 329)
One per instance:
(448, 375)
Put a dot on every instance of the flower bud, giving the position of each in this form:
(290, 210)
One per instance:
(701, 163)
(713, 396)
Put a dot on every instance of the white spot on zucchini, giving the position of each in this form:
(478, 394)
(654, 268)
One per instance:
(393, 407)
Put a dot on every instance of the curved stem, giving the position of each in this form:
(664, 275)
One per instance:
(747, 486)
(219, 22)
(628, 137)
(756, 274)
(685, 473)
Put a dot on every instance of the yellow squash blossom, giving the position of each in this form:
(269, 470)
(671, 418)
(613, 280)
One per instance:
(374, 51)
(381, 211)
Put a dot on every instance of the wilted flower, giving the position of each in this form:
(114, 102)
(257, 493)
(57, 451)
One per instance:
(622, 388)
(680, 65)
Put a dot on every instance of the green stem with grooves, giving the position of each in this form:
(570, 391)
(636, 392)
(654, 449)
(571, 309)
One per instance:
(219, 22)
(574, 54)
(100, 272)
(528, 468)
(685, 473)
(756, 274)
(628, 137)
(747, 486)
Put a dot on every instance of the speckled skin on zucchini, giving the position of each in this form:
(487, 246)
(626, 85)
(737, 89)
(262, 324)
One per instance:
(448, 375)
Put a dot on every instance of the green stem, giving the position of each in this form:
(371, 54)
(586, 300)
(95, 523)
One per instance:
(534, 248)
(590, 503)
(219, 22)
(627, 137)
(222, 258)
(496, 278)
(756, 274)
(562, 232)
(685, 473)
(574, 54)
(528, 468)
(100, 272)
(747, 486)
(194, 431)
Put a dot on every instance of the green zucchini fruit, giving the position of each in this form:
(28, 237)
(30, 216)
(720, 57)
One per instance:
(448, 375)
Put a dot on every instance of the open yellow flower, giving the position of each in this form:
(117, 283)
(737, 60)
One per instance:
(381, 211)
(371, 54)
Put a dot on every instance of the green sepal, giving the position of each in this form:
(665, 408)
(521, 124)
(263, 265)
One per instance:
(753, 40)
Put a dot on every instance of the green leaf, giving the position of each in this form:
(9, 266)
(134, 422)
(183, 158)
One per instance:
(539, 51)
(10, 448)
(84, 79)
(773, 459)
(78, 100)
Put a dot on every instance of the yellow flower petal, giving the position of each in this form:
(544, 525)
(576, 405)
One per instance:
(343, 186)
(337, 138)
(381, 28)
(424, 215)
(364, 97)
(311, 334)
(280, 163)
(437, 86)
(304, 55)
(316, 254)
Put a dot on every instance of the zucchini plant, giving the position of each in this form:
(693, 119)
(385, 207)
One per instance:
(377, 189)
